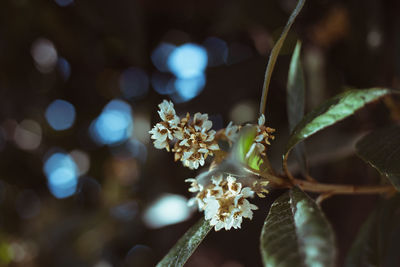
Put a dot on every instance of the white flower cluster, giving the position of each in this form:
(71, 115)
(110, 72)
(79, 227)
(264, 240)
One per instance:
(224, 201)
(194, 139)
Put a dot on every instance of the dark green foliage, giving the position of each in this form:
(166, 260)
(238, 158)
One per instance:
(295, 102)
(296, 233)
(332, 111)
(186, 245)
(381, 149)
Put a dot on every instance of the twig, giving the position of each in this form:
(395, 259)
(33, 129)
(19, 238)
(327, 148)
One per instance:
(327, 189)
(335, 189)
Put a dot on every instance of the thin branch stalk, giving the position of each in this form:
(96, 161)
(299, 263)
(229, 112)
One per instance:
(328, 189)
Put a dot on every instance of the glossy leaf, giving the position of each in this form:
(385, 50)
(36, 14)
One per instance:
(378, 240)
(185, 246)
(381, 149)
(296, 233)
(275, 52)
(295, 102)
(332, 111)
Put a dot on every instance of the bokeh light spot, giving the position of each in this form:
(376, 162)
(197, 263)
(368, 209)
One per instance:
(64, 67)
(134, 82)
(188, 61)
(44, 54)
(114, 125)
(60, 114)
(166, 210)
(187, 89)
(28, 135)
(160, 56)
(62, 174)
(217, 51)
(243, 112)
(163, 83)
(82, 160)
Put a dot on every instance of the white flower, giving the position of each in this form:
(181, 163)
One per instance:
(193, 159)
(234, 187)
(217, 179)
(194, 186)
(231, 131)
(262, 139)
(261, 120)
(167, 113)
(224, 202)
(161, 134)
(201, 122)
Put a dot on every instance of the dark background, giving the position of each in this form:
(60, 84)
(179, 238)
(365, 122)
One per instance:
(345, 44)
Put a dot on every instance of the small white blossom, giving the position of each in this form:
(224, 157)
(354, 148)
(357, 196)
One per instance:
(195, 140)
(194, 186)
(262, 139)
(201, 122)
(261, 120)
(224, 202)
(167, 113)
(161, 135)
(231, 131)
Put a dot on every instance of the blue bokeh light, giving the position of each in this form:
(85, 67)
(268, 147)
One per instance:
(217, 51)
(114, 125)
(187, 89)
(62, 174)
(163, 83)
(160, 56)
(64, 3)
(60, 114)
(188, 61)
(134, 82)
(166, 210)
(64, 68)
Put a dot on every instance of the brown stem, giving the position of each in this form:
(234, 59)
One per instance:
(323, 197)
(285, 167)
(343, 189)
(329, 189)
(311, 185)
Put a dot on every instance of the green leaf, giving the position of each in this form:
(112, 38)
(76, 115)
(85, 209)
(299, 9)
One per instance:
(185, 246)
(381, 149)
(377, 241)
(296, 233)
(332, 111)
(295, 102)
(246, 138)
(275, 52)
